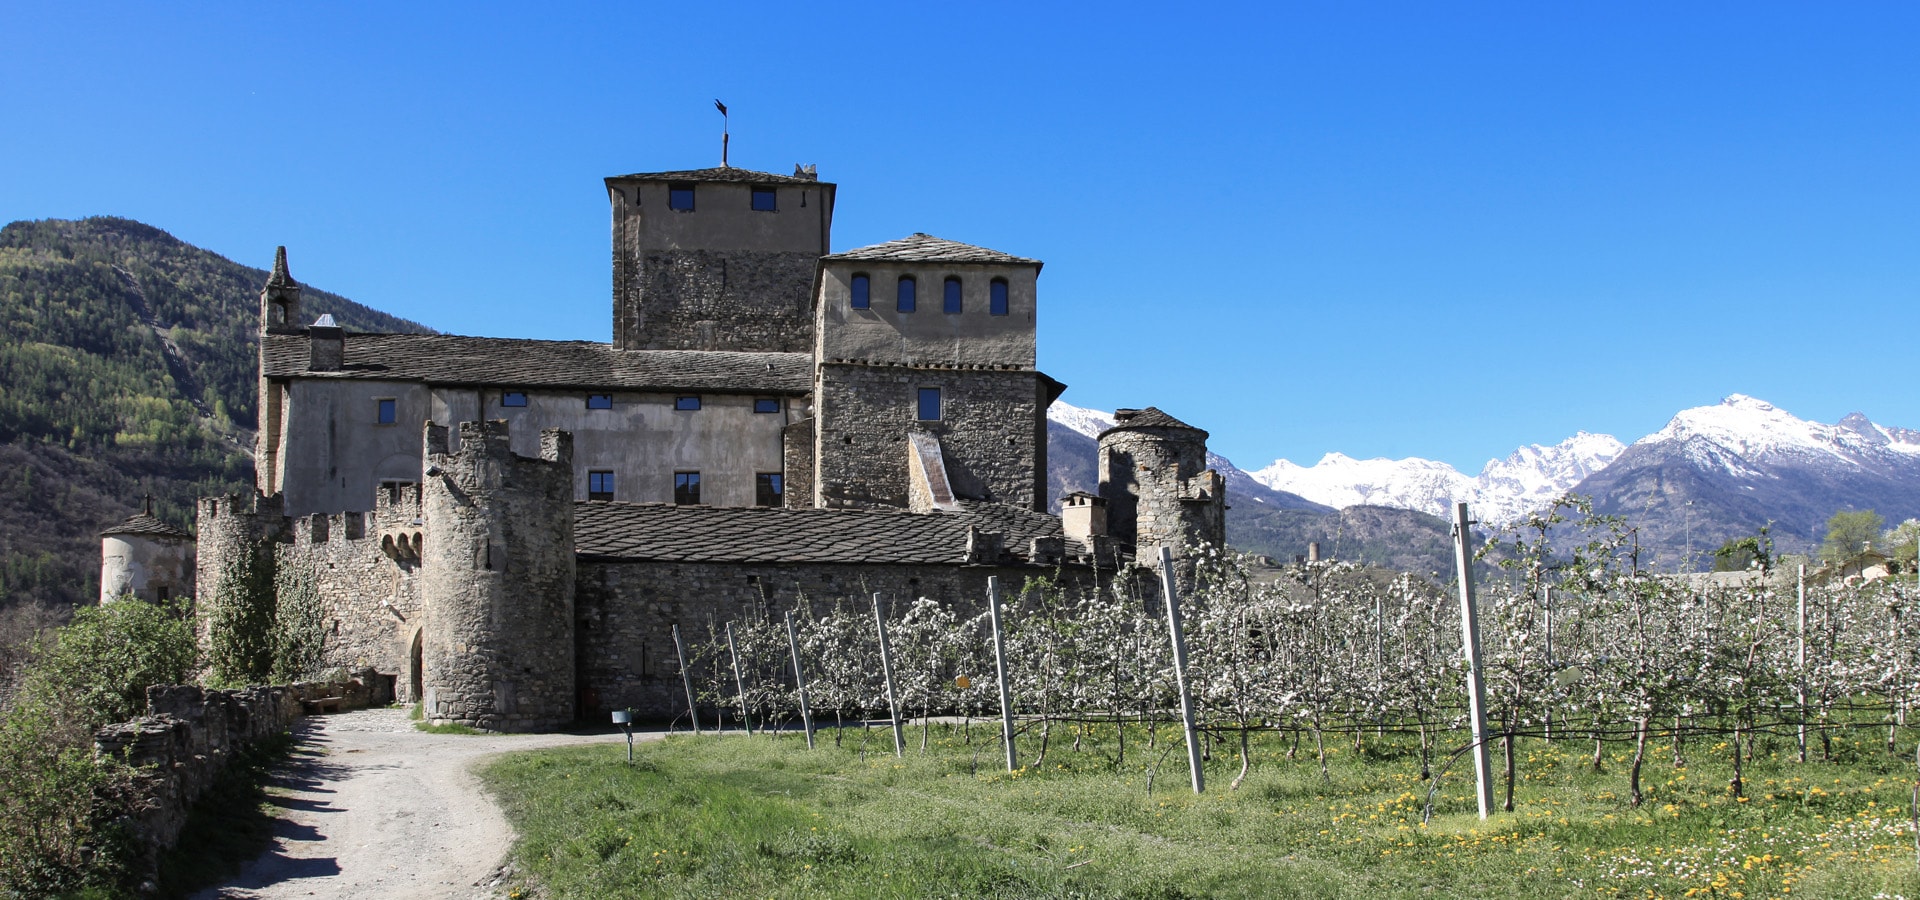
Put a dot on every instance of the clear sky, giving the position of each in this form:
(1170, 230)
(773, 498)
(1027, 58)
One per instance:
(1419, 229)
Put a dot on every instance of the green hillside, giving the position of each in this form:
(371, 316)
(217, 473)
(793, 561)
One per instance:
(126, 368)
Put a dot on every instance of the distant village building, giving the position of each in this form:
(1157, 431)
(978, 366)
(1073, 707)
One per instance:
(507, 529)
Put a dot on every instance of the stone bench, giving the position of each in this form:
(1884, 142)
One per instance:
(322, 704)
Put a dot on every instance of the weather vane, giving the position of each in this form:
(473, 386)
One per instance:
(722, 107)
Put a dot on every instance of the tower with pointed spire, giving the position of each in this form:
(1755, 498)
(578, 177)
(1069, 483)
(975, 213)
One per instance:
(280, 298)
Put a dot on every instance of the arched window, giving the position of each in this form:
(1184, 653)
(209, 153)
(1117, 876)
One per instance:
(951, 298)
(997, 301)
(906, 301)
(862, 292)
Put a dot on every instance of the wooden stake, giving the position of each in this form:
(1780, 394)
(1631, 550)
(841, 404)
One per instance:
(1800, 676)
(686, 678)
(1470, 643)
(1179, 639)
(739, 684)
(886, 671)
(800, 680)
(1000, 669)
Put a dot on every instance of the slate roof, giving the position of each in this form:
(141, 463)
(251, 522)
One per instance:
(454, 359)
(921, 247)
(147, 526)
(1148, 418)
(719, 173)
(662, 532)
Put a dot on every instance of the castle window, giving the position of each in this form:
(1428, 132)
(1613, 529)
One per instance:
(680, 197)
(600, 485)
(997, 300)
(513, 398)
(388, 411)
(599, 401)
(767, 488)
(764, 405)
(686, 403)
(929, 404)
(905, 299)
(951, 301)
(862, 292)
(686, 488)
(763, 199)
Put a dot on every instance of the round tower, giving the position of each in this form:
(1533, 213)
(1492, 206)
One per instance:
(497, 583)
(146, 559)
(1159, 491)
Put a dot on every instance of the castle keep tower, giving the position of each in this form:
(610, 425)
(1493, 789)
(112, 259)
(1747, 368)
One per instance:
(1159, 491)
(497, 642)
(717, 259)
(926, 374)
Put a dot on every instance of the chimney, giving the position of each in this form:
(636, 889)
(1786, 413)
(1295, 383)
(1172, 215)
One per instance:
(327, 345)
(1083, 517)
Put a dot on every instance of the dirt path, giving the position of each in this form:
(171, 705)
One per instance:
(371, 807)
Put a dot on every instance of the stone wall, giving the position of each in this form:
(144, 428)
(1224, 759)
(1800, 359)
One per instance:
(365, 568)
(797, 446)
(186, 741)
(498, 648)
(992, 432)
(1159, 491)
(626, 612)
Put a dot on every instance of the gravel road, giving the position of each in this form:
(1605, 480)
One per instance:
(370, 807)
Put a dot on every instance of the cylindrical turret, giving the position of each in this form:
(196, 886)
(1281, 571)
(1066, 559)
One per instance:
(147, 559)
(1159, 491)
(498, 581)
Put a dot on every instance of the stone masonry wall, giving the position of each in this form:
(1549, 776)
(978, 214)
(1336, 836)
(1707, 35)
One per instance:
(715, 300)
(1159, 491)
(992, 433)
(797, 452)
(626, 612)
(186, 740)
(366, 570)
(498, 646)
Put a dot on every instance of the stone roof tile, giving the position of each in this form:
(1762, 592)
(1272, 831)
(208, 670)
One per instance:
(515, 362)
(719, 173)
(1150, 417)
(148, 526)
(921, 247)
(665, 532)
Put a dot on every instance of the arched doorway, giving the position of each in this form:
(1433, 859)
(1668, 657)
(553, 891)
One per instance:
(416, 679)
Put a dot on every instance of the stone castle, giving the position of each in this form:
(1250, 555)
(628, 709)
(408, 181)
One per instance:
(506, 530)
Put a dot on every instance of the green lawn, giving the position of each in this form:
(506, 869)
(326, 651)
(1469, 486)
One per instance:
(760, 816)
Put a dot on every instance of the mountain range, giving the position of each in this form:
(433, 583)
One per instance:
(1713, 473)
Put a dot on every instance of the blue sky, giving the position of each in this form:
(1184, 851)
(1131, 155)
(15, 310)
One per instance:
(1441, 230)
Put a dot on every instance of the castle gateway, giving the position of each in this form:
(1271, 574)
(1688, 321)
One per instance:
(508, 529)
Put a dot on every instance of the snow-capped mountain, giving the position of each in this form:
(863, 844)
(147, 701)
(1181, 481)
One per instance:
(1505, 490)
(1722, 471)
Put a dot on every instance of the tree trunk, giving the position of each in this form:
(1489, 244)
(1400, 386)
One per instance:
(1634, 797)
(1245, 760)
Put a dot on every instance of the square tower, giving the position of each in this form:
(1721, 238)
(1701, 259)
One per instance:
(717, 259)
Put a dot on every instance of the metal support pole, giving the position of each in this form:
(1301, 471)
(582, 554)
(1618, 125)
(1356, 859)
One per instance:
(886, 671)
(739, 684)
(1470, 643)
(1000, 669)
(800, 680)
(686, 678)
(1179, 638)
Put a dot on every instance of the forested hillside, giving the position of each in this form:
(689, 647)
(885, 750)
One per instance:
(126, 369)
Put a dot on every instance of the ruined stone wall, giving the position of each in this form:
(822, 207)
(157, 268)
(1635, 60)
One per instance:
(992, 432)
(186, 741)
(498, 645)
(626, 612)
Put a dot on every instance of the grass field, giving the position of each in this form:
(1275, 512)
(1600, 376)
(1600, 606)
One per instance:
(761, 816)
